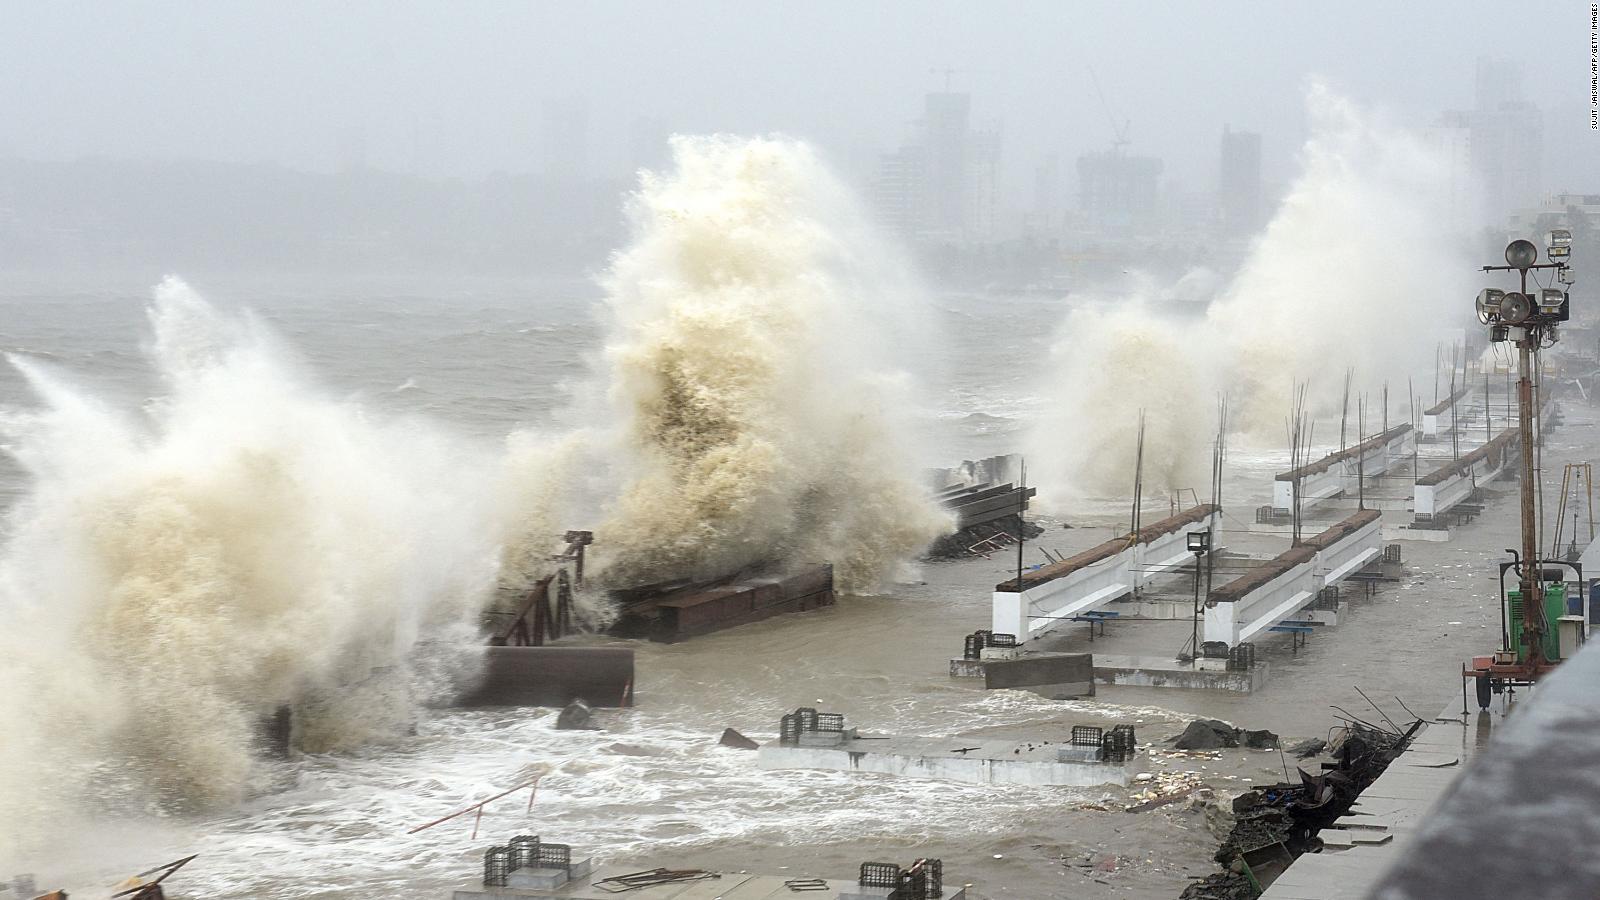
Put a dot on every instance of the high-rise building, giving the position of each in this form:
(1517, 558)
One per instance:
(946, 138)
(899, 192)
(943, 184)
(1506, 140)
(1239, 185)
(1118, 193)
(1450, 139)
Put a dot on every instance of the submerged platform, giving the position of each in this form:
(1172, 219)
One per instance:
(713, 886)
(971, 760)
(1164, 672)
(1131, 671)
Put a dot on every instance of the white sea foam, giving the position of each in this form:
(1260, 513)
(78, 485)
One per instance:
(752, 406)
(244, 542)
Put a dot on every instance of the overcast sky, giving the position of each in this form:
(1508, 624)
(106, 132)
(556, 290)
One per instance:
(459, 88)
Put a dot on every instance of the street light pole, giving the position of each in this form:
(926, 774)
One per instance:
(1199, 544)
(1532, 579)
(1527, 321)
(1532, 599)
(1194, 636)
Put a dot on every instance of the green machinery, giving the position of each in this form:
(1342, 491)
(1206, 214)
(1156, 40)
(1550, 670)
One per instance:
(1555, 606)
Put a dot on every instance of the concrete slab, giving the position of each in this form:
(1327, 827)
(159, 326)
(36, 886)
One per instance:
(1156, 671)
(727, 886)
(971, 760)
(1057, 676)
(1407, 533)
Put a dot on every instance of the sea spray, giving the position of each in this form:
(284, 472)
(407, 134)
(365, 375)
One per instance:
(1359, 268)
(749, 368)
(246, 542)
(1116, 359)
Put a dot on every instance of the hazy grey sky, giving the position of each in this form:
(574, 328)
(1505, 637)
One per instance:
(458, 88)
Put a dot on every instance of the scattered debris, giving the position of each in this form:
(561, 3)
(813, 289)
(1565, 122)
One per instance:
(734, 739)
(1162, 788)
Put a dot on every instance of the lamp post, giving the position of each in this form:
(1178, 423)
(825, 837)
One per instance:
(1199, 545)
(1528, 321)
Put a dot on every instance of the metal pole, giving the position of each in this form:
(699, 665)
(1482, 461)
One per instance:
(1022, 507)
(1194, 636)
(1532, 602)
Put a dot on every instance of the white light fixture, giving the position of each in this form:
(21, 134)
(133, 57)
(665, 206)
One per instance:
(1558, 237)
(1199, 541)
(1489, 304)
(1553, 303)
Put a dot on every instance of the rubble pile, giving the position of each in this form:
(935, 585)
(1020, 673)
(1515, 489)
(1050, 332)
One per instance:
(1281, 821)
(1221, 886)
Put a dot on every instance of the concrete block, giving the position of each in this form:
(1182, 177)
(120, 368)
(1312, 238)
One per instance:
(550, 676)
(1058, 676)
(961, 667)
(1071, 753)
(824, 738)
(537, 879)
(999, 652)
(859, 892)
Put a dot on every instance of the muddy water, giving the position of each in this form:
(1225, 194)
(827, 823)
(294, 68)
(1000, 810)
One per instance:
(652, 786)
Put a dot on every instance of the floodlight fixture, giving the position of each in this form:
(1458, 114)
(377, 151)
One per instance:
(1515, 307)
(1489, 304)
(1199, 541)
(1553, 303)
(1522, 254)
(1558, 237)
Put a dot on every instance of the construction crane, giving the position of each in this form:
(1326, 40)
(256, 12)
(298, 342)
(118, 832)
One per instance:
(1119, 140)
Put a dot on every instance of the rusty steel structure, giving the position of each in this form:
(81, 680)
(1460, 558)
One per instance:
(541, 618)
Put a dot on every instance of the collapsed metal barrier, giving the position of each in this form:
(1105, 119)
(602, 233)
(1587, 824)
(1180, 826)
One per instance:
(922, 880)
